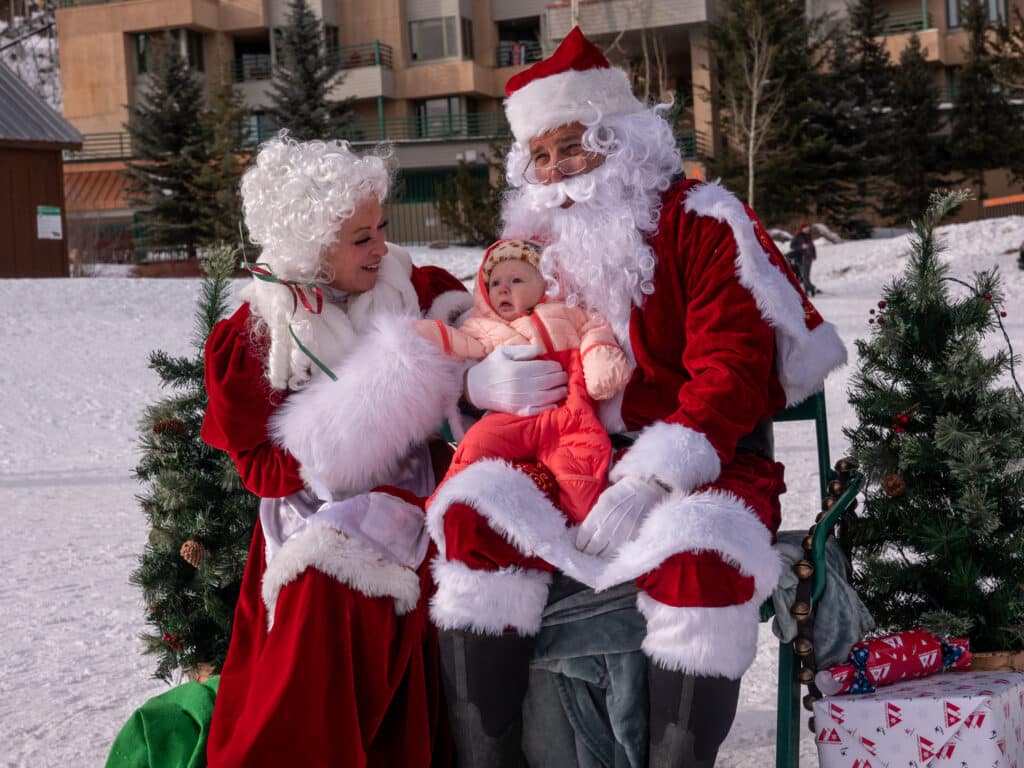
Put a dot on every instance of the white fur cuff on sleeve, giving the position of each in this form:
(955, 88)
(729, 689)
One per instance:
(449, 306)
(674, 455)
(392, 391)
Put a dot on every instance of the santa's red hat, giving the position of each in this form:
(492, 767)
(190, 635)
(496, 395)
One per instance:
(575, 84)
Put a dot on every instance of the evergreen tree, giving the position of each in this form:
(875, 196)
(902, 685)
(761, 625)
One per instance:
(469, 204)
(216, 185)
(985, 130)
(918, 152)
(869, 70)
(1007, 50)
(940, 542)
(201, 517)
(169, 142)
(753, 43)
(832, 144)
(304, 76)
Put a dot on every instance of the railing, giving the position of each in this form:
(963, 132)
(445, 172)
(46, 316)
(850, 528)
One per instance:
(375, 54)
(693, 144)
(901, 22)
(252, 66)
(475, 125)
(512, 53)
(73, 3)
(101, 146)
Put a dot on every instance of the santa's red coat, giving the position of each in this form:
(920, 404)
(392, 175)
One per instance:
(342, 678)
(726, 341)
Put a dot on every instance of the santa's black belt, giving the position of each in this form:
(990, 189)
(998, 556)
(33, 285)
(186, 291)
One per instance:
(760, 442)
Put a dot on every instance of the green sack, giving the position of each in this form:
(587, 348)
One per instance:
(168, 731)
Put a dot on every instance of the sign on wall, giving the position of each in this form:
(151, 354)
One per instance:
(48, 225)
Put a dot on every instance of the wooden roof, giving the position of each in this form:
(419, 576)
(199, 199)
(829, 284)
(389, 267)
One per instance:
(25, 119)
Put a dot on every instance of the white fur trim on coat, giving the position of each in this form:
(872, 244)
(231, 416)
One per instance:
(711, 521)
(449, 306)
(701, 641)
(488, 601)
(516, 509)
(331, 552)
(569, 97)
(676, 456)
(805, 358)
(393, 390)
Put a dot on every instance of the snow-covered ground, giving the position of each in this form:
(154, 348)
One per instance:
(73, 382)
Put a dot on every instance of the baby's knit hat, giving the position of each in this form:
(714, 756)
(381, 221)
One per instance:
(507, 250)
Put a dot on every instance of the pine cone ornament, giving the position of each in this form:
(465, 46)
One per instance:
(169, 427)
(193, 553)
(894, 485)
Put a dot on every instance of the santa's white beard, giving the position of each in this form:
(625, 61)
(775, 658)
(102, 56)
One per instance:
(595, 254)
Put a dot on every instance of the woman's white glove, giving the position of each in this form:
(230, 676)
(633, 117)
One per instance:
(509, 380)
(617, 515)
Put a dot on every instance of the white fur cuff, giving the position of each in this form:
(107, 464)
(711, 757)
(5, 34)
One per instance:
(488, 601)
(701, 641)
(712, 521)
(514, 507)
(676, 456)
(392, 391)
(449, 306)
(327, 550)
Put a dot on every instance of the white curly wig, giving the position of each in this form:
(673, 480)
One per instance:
(294, 199)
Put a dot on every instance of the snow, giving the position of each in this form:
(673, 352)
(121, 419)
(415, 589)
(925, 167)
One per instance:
(73, 385)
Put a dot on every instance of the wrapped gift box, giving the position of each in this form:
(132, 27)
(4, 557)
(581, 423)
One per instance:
(953, 720)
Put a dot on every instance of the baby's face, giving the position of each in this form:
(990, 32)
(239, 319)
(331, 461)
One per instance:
(515, 288)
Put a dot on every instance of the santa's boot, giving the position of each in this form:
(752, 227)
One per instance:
(690, 717)
(485, 678)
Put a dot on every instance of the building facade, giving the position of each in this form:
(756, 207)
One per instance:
(428, 75)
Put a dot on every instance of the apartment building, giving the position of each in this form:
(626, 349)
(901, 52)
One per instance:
(427, 75)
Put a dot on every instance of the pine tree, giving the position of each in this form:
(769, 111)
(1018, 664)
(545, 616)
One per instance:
(304, 76)
(201, 517)
(940, 542)
(470, 205)
(918, 152)
(870, 71)
(985, 130)
(1007, 49)
(216, 184)
(832, 144)
(170, 144)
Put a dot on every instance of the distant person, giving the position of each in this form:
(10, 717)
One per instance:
(802, 254)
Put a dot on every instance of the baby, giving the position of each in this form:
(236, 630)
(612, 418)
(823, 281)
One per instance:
(511, 307)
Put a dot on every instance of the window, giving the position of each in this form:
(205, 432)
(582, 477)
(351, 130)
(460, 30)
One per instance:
(143, 53)
(262, 126)
(194, 50)
(440, 117)
(331, 41)
(467, 38)
(433, 39)
(996, 11)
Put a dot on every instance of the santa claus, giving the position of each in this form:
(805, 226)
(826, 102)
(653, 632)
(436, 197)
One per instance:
(722, 337)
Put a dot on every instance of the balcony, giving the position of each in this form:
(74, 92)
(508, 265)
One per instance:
(375, 54)
(473, 126)
(603, 17)
(252, 66)
(511, 53)
(906, 22)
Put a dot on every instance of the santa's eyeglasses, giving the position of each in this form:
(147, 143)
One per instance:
(540, 173)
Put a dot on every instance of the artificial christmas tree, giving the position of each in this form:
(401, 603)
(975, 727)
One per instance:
(201, 518)
(940, 542)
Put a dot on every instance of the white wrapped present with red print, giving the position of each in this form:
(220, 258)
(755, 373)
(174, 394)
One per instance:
(950, 720)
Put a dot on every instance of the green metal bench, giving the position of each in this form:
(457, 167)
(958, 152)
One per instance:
(839, 488)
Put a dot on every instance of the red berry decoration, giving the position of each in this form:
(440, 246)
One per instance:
(881, 305)
(871, 322)
(871, 311)
(988, 297)
(1002, 314)
(898, 429)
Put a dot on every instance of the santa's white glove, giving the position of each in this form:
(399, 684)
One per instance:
(509, 380)
(617, 515)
